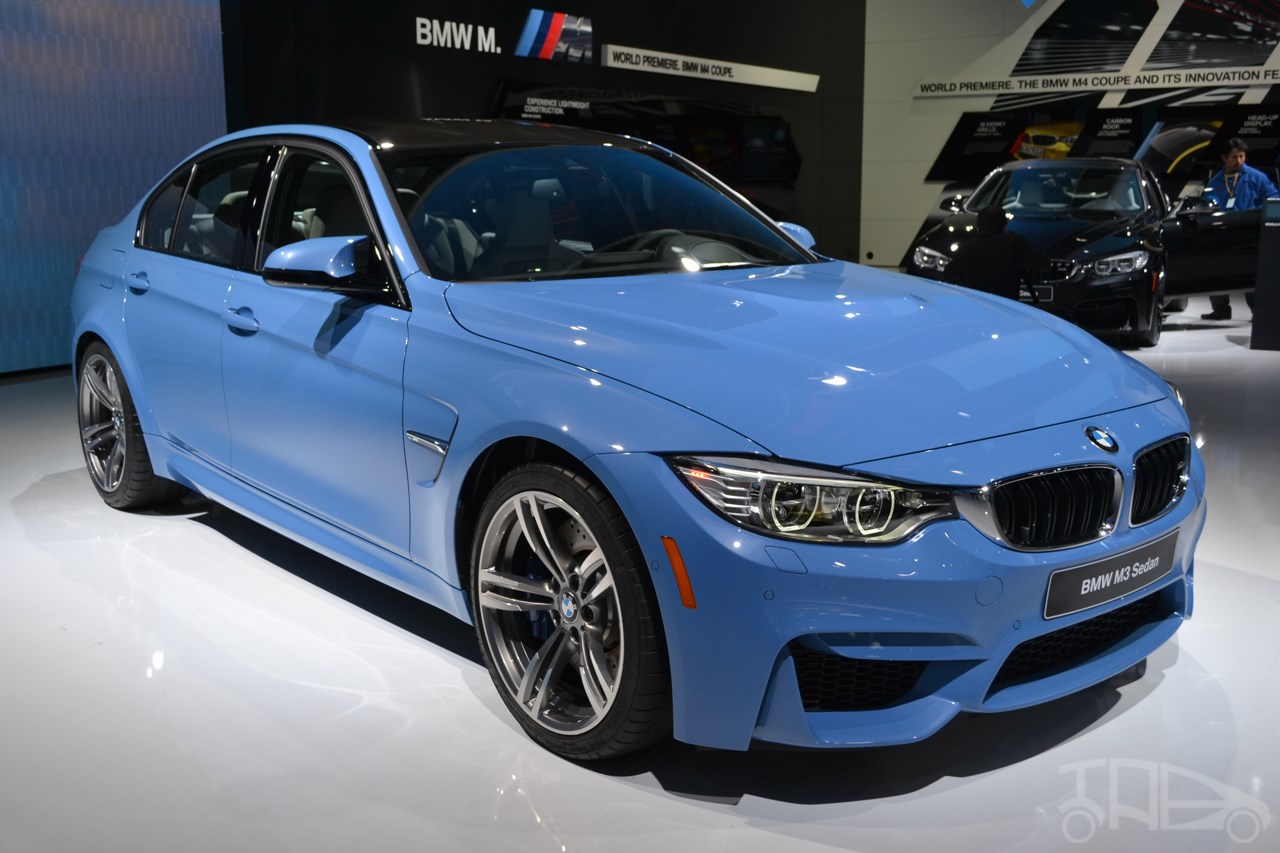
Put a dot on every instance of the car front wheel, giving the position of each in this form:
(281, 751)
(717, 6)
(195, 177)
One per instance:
(1150, 336)
(566, 616)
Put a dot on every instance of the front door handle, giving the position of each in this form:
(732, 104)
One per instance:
(242, 320)
(138, 282)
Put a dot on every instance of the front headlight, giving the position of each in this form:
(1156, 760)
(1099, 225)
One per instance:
(1177, 394)
(795, 502)
(928, 259)
(1120, 264)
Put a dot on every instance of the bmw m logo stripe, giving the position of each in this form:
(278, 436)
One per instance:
(555, 35)
(1102, 439)
(541, 32)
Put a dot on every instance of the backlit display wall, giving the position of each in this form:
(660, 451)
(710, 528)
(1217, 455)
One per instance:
(99, 98)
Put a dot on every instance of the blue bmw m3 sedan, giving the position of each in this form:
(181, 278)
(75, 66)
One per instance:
(684, 475)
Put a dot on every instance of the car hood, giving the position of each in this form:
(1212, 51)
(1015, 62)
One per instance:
(1057, 236)
(831, 363)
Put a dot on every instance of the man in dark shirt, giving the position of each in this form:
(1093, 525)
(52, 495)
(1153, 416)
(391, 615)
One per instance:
(996, 261)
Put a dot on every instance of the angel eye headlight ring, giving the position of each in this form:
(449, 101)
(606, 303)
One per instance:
(812, 504)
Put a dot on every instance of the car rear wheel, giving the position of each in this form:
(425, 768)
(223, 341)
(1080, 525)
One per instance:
(111, 438)
(566, 616)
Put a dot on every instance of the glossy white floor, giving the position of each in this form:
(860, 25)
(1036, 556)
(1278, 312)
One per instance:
(188, 681)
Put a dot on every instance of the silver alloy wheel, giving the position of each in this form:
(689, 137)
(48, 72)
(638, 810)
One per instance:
(102, 422)
(549, 612)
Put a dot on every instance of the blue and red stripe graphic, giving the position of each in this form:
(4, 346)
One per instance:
(555, 35)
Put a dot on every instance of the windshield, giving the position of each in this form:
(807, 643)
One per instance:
(564, 211)
(1076, 189)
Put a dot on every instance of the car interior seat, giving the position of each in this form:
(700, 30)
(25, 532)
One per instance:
(1030, 193)
(1121, 196)
(524, 240)
(338, 214)
(215, 235)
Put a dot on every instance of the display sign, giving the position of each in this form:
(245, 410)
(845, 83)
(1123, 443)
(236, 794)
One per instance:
(555, 107)
(660, 62)
(1259, 127)
(574, 64)
(1113, 133)
(979, 143)
(1180, 143)
(738, 143)
(1097, 81)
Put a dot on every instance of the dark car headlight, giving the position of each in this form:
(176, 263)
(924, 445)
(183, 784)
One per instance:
(929, 259)
(796, 502)
(1121, 264)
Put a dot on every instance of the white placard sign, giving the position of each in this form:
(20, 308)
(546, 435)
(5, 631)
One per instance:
(659, 62)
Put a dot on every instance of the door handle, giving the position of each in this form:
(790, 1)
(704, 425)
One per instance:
(242, 320)
(138, 282)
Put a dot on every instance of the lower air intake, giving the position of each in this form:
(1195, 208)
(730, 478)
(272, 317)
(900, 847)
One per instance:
(1049, 654)
(831, 682)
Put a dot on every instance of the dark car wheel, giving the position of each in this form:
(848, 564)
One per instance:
(1173, 306)
(566, 616)
(111, 437)
(1150, 336)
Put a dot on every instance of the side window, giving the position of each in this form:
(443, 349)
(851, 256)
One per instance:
(156, 231)
(211, 224)
(314, 197)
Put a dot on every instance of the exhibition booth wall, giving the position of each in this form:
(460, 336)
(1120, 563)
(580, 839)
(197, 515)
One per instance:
(950, 96)
(100, 97)
(853, 119)
(767, 97)
(113, 92)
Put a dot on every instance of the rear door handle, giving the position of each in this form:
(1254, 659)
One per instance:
(242, 320)
(138, 282)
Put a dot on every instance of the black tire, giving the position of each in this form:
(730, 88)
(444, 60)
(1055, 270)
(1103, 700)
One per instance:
(566, 616)
(1150, 336)
(111, 437)
(1173, 306)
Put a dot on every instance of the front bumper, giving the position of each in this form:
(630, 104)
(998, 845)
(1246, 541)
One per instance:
(1090, 302)
(921, 630)
(1106, 302)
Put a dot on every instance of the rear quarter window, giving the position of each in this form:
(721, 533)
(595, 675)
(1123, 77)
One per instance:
(161, 212)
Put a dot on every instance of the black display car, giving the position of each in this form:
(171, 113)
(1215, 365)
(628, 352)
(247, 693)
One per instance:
(1117, 247)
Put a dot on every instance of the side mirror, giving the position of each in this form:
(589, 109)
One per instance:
(1194, 204)
(799, 233)
(953, 204)
(318, 262)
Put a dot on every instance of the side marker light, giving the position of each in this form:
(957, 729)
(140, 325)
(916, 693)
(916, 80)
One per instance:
(681, 573)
